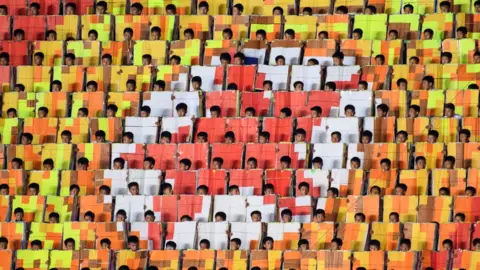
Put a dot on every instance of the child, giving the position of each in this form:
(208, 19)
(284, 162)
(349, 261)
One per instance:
(250, 112)
(69, 59)
(237, 10)
(235, 244)
(229, 137)
(450, 111)
(261, 34)
(420, 163)
(202, 190)
(285, 112)
(118, 163)
(33, 189)
(375, 190)
(298, 86)
(155, 33)
(170, 245)
(147, 60)
(48, 164)
(132, 242)
(167, 189)
(136, 9)
(320, 215)
(133, 188)
(101, 8)
(304, 188)
(19, 34)
(17, 164)
(227, 34)
(217, 163)
(131, 86)
(330, 86)
(427, 83)
(349, 111)
(121, 216)
(185, 164)
(400, 190)
(285, 162)
(238, 58)
(360, 217)
(19, 87)
(89, 216)
(374, 245)
(269, 189)
(42, 112)
(100, 136)
(225, 59)
(405, 245)
(69, 244)
(370, 10)
(74, 190)
(197, 83)
(12, 113)
(402, 136)
(312, 62)
(446, 58)
(323, 35)
(277, 11)
(316, 111)
(256, 216)
(300, 135)
(414, 60)
(92, 35)
(341, 10)
(289, 34)
(220, 217)
(357, 34)
(165, 137)
(366, 137)
(181, 109)
(159, 85)
(3, 243)
(336, 137)
(449, 163)
(202, 137)
(36, 245)
(332, 192)
(18, 213)
(82, 112)
(204, 244)
(408, 9)
(66, 136)
(3, 10)
(70, 9)
(171, 9)
(428, 34)
(379, 60)
(252, 163)
(233, 190)
(392, 35)
(355, 163)
(459, 217)
(338, 58)
(107, 60)
(188, 34)
(317, 163)
(414, 111)
(82, 164)
(394, 217)
(127, 137)
(336, 244)
(175, 60)
(464, 136)
(385, 164)
(4, 189)
(445, 6)
(148, 163)
(105, 243)
(286, 215)
(38, 58)
(432, 136)
(469, 191)
(4, 59)
(362, 86)
(34, 9)
(267, 243)
(145, 111)
(267, 85)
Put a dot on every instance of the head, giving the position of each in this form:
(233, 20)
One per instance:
(392, 35)
(202, 137)
(277, 11)
(349, 111)
(446, 58)
(107, 60)
(432, 136)
(375, 190)
(132, 242)
(82, 164)
(355, 163)
(289, 34)
(285, 112)
(82, 112)
(336, 137)
(449, 162)
(220, 217)
(170, 245)
(121, 216)
(261, 34)
(38, 58)
(304, 188)
(298, 86)
(357, 34)
(146, 59)
(252, 163)
(400, 190)
(338, 58)
(227, 34)
(469, 191)
(267, 243)
(165, 137)
(127, 137)
(36, 245)
(159, 85)
(300, 135)
(100, 136)
(366, 137)
(256, 216)
(69, 244)
(428, 34)
(449, 110)
(380, 60)
(145, 111)
(414, 111)
(17, 163)
(444, 191)
(148, 163)
(136, 9)
(323, 35)
(171, 9)
(336, 244)
(92, 35)
(414, 60)
(133, 188)
(105, 243)
(202, 190)
(285, 162)
(332, 192)
(374, 245)
(225, 59)
(341, 10)
(119, 163)
(19, 34)
(217, 163)
(428, 83)
(238, 58)
(268, 189)
(175, 60)
(447, 244)
(185, 164)
(166, 189)
(89, 216)
(235, 244)
(402, 136)
(4, 59)
(237, 9)
(66, 136)
(459, 217)
(196, 83)
(264, 137)
(362, 85)
(181, 109)
(420, 163)
(155, 33)
(385, 164)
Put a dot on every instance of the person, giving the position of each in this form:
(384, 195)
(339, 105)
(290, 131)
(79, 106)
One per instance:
(36, 245)
(285, 162)
(408, 9)
(444, 191)
(300, 135)
(449, 163)
(4, 189)
(316, 111)
(3, 10)
(382, 110)
(118, 163)
(375, 190)
(323, 35)
(256, 216)
(166, 189)
(336, 137)
(82, 112)
(402, 136)
(261, 35)
(267, 243)
(159, 85)
(89, 216)
(341, 10)
(74, 190)
(445, 7)
(332, 192)
(446, 58)
(432, 136)
(133, 188)
(220, 217)
(237, 9)
(227, 34)
(336, 244)
(233, 190)
(165, 137)
(357, 34)
(469, 191)
(289, 34)
(171, 9)
(349, 110)
(392, 34)
(34, 9)
(317, 163)
(366, 137)
(202, 137)
(101, 8)
(185, 164)
(136, 9)
(268, 189)
(320, 215)
(204, 244)
(459, 217)
(155, 33)
(394, 217)
(4, 59)
(170, 245)
(3, 243)
(235, 244)
(69, 244)
(303, 188)
(145, 111)
(359, 217)
(238, 58)
(181, 109)
(33, 189)
(338, 58)
(303, 245)
(428, 34)
(121, 216)
(285, 112)
(355, 163)
(147, 60)
(19, 35)
(286, 215)
(112, 110)
(420, 163)
(252, 163)
(185, 218)
(215, 111)
(229, 137)
(202, 190)
(277, 11)
(19, 214)
(385, 164)
(197, 83)
(132, 242)
(374, 245)
(447, 244)
(148, 163)
(127, 137)
(100, 136)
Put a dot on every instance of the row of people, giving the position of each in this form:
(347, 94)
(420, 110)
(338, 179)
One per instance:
(237, 8)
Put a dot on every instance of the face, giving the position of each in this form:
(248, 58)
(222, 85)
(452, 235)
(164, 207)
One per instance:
(443, 193)
(81, 113)
(468, 192)
(361, 86)
(374, 191)
(356, 36)
(335, 138)
(196, 85)
(188, 36)
(268, 191)
(165, 140)
(134, 190)
(19, 37)
(322, 36)
(421, 164)
(412, 113)
(181, 112)
(373, 248)
(106, 61)
(251, 165)
(234, 192)
(317, 165)
(304, 191)
(217, 165)
(448, 165)
(277, 12)
(284, 165)
(354, 165)
(135, 11)
(51, 37)
(331, 194)
(249, 114)
(349, 113)
(476, 59)
(131, 87)
(427, 35)
(237, 61)
(34, 11)
(401, 138)
(132, 246)
(117, 166)
(74, 192)
(99, 139)
(299, 87)
(32, 191)
(3, 11)
(89, 218)
(53, 220)
(120, 218)
(413, 61)
(303, 247)
(70, 10)
(3, 246)
(334, 246)
(35, 247)
(393, 218)
(201, 139)
(170, 12)
(392, 36)
(100, 10)
(458, 219)
(202, 192)
(385, 166)
(25, 140)
(203, 10)
(154, 35)
(267, 87)
(4, 191)
(228, 140)
(233, 245)
(366, 139)
(449, 112)
(431, 139)
(227, 36)
(146, 61)
(379, 61)
(256, 218)
(38, 60)
(289, 37)
(15, 165)
(281, 62)
(464, 138)
(236, 11)
(358, 218)
(407, 10)
(446, 60)
(92, 37)
(127, 140)
(105, 246)
(12, 114)
(147, 165)
(82, 167)
(399, 191)
(268, 245)
(66, 139)
(300, 138)
(447, 246)
(183, 167)
(18, 216)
